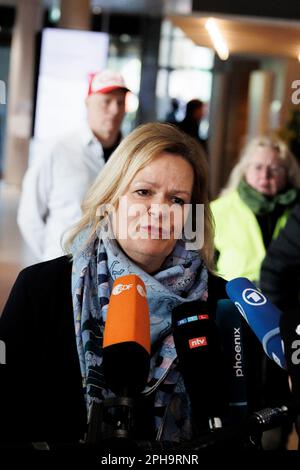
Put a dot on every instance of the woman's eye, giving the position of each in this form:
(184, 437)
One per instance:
(143, 192)
(178, 200)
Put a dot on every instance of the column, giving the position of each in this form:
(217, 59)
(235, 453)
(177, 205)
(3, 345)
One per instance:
(217, 131)
(75, 14)
(151, 37)
(260, 97)
(20, 89)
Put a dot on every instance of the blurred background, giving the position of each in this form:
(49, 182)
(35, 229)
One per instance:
(241, 59)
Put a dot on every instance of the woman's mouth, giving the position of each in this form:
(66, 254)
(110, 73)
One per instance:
(156, 232)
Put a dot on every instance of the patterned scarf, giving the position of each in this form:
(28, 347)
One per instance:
(182, 278)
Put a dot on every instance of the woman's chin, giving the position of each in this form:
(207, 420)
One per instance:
(264, 189)
(154, 247)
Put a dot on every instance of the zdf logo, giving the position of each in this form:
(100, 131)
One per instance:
(120, 288)
(123, 287)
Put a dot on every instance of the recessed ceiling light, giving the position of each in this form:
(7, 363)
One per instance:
(217, 39)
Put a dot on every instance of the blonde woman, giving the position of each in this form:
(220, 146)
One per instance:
(47, 358)
(254, 206)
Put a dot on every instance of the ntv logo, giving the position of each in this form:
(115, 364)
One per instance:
(197, 342)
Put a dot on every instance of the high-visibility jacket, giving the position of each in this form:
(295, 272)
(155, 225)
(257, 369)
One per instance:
(238, 237)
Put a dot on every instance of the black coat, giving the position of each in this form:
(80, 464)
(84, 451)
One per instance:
(41, 389)
(281, 268)
(43, 397)
(280, 274)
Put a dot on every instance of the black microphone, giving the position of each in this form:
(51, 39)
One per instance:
(198, 347)
(241, 436)
(269, 418)
(231, 329)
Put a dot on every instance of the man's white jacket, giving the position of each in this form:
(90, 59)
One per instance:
(53, 189)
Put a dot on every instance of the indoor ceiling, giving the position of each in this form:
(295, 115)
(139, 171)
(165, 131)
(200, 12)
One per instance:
(149, 7)
(246, 36)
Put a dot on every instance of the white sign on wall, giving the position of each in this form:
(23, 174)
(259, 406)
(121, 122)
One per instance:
(67, 59)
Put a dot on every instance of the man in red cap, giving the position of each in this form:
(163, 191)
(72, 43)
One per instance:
(106, 107)
(54, 187)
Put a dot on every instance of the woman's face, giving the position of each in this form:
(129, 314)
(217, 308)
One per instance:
(151, 213)
(266, 172)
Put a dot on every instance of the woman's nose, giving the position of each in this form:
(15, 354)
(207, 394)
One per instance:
(159, 207)
(155, 210)
(265, 173)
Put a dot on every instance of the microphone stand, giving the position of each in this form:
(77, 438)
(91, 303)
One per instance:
(120, 421)
(111, 419)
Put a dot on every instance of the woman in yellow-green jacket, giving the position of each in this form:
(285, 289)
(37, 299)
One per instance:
(254, 206)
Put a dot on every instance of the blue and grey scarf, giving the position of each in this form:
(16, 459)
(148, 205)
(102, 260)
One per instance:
(182, 278)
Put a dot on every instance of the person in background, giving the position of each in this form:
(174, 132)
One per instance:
(262, 189)
(171, 116)
(157, 167)
(280, 281)
(54, 187)
(191, 122)
(280, 269)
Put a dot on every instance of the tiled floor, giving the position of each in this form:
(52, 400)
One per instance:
(14, 255)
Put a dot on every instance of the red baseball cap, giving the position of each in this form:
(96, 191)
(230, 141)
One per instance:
(105, 82)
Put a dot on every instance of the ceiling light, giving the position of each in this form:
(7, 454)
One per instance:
(54, 14)
(217, 39)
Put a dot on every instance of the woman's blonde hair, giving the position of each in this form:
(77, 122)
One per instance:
(288, 159)
(133, 154)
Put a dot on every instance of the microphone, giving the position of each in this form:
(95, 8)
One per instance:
(261, 315)
(126, 364)
(230, 326)
(198, 347)
(240, 436)
(126, 341)
(269, 418)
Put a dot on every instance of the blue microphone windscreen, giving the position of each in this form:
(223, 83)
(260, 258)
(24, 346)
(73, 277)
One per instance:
(262, 316)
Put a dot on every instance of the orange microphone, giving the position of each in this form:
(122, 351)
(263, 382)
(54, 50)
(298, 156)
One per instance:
(126, 341)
